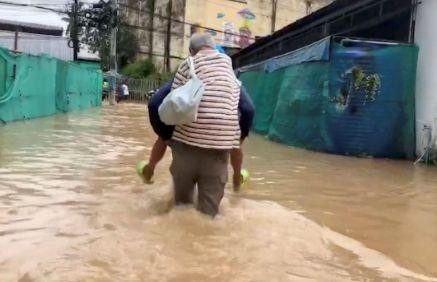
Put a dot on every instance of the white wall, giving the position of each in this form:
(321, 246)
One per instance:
(38, 44)
(35, 44)
(426, 84)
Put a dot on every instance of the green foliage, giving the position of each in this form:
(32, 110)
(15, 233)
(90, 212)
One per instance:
(369, 84)
(127, 46)
(355, 82)
(93, 24)
(164, 77)
(146, 69)
(139, 69)
(151, 6)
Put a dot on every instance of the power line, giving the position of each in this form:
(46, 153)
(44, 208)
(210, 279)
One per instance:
(137, 27)
(91, 2)
(184, 22)
(161, 55)
(177, 34)
(33, 6)
(128, 6)
(42, 6)
(39, 37)
(55, 4)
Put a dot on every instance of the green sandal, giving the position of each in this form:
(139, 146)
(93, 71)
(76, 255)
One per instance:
(145, 172)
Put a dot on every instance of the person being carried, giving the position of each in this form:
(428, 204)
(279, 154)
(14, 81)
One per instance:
(246, 112)
(201, 149)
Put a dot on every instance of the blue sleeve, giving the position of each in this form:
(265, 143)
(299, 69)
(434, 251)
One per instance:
(160, 128)
(247, 112)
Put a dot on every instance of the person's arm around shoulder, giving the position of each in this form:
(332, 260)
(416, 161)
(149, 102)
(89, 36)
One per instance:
(247, 112)
(160, 128)
(181, 76)
(157, 98)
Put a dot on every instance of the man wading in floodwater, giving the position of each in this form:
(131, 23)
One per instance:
(201, 149)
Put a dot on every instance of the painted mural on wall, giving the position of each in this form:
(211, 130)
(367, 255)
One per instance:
(228, 34)
(245, 37)
(198, 28)
(233, 34)
(237, 35)
(358, 85)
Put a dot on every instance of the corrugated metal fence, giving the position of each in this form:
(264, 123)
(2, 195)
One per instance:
(53, 46)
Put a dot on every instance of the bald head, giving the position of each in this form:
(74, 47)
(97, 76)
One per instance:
(201, 41)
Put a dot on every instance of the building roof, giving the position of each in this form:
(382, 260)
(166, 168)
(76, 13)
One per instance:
(30, 27)
(38, 44)
(363, 18)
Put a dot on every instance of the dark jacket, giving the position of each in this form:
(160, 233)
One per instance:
(245, 107)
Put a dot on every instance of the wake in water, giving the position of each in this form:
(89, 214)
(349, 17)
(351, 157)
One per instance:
(143, 239)
(72, 209)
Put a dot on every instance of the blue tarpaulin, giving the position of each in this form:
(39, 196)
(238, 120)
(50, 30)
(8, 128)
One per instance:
(317, 51)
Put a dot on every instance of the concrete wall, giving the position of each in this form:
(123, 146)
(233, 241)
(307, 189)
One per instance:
(151, 28)
(426, 83)
(234, 23)
(227, 19)
(176, 35)
(237, 23)
(135, 14)
(247, 19)
(290, 11)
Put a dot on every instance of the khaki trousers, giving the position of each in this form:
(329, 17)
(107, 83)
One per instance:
(206, 168)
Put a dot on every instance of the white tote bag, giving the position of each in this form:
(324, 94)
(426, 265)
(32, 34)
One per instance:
(181, 105)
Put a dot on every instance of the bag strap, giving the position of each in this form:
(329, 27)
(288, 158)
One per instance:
(191, 67)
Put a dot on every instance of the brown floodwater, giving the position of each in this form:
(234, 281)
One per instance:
(73, 209)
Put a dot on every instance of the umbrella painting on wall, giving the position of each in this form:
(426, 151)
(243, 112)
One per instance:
(245, 33)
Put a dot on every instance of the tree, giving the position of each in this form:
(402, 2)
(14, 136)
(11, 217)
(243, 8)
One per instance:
(139, 69)
(93, 24)
(127, 46)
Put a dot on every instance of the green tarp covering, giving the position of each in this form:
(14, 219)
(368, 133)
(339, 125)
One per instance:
(358, 101)
(36, 86)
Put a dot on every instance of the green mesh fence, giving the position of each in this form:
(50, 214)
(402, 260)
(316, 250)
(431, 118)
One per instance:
(36, 86)
(263, 83)
(359, 100)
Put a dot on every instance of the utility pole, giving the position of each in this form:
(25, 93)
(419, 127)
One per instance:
(16, 39)
(113, 53)
(74, 30)
(274, 10)
(113, 47)
(168, 36)
(139, 17)
(151, 19)
(413, 15)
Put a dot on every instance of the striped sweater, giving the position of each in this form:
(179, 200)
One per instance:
(217, 125)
